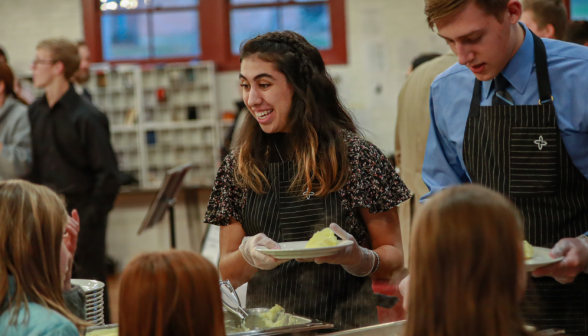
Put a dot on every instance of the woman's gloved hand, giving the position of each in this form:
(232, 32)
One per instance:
(256, 258)
(404, 289)
(356, 260)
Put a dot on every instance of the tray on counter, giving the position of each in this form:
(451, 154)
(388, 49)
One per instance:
(298, 325)
(301, 326)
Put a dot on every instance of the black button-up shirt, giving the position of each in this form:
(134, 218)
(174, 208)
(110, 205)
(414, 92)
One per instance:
(72, 153)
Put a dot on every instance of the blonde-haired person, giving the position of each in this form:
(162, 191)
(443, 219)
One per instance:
(173, 293)
(467, 273)
(72, 153)
(35, 262)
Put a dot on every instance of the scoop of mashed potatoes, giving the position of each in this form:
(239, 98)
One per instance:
(275, 317)
(323, 238)
(528, 249)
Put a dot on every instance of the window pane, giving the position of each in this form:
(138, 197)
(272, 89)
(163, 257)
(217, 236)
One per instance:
(579, 9)
(125, 36)
(114, 5)
(173, 3)
(249, 22)
(311, 21)
(176, 34)
(248, 2)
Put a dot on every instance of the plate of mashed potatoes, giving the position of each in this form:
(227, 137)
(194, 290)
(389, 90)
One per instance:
(537, 257)
(322, 244)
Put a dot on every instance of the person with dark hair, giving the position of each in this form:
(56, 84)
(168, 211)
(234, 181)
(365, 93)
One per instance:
(512, 116)
(545, 18)
(299, 166)
(578, 32)
(72, 153)
(3, 56)
(82, 76)
(423, 58)
(15, 130)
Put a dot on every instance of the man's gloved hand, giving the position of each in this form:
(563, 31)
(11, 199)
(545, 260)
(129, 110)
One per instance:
(575, 253)
(256, 258)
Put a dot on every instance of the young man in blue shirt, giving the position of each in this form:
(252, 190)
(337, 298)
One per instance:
(512, 115)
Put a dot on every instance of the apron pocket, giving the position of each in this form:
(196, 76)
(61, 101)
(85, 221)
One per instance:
(534, 161)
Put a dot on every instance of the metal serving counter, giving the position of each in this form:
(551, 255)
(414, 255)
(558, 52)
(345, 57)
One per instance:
(385, 329)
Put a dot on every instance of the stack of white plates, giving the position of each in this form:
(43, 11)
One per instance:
(94, 291)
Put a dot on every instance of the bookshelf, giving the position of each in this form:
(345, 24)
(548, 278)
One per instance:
(161, 117)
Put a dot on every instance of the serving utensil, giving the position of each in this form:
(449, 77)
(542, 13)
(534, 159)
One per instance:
(248, 321)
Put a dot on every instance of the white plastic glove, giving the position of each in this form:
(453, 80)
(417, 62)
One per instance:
(256, 258)
(356, 260)
(575, 253)
(404, 288)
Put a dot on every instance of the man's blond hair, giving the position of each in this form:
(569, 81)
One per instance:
(64, 51)
(439, 9)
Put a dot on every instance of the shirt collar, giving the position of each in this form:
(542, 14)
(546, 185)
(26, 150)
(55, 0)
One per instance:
(68, 100)
(519, 69)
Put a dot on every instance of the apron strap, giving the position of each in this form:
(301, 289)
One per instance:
(542, 73)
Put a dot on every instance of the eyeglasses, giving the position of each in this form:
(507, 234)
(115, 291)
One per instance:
(40, 61)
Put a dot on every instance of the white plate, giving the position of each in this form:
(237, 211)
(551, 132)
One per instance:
(294, 250)
(540, 258)
(93, 301)
(88, 285)
(95, 318)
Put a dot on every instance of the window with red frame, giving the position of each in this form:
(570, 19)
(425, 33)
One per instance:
(149, 31)
(578, 9)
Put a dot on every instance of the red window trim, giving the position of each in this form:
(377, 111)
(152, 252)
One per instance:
(216, 42)
(568, 7)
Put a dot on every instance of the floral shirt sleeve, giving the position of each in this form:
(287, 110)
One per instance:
(227, 199)
(373, 183)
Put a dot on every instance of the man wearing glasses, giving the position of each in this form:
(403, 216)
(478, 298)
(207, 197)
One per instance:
(72, 153)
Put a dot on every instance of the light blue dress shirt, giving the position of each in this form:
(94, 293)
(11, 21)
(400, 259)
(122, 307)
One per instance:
(451, 96)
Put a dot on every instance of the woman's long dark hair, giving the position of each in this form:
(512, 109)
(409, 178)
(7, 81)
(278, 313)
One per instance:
(316, 119)
(7, 76)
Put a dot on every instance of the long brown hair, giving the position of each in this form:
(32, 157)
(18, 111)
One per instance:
(174, 293)
(467, 272)
(7, 76)
(32, 223)
(316, 119)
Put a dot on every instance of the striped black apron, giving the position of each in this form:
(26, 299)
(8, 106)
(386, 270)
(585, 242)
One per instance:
(518, 151)
(325, 292)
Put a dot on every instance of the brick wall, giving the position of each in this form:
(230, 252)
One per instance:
(24, 23)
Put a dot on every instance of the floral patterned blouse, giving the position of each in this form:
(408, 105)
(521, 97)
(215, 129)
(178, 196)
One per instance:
(373, 184)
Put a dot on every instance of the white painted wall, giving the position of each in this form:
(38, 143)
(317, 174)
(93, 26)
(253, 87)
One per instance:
(383, 37)
(25, 23)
